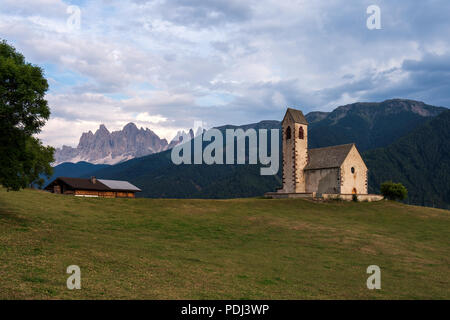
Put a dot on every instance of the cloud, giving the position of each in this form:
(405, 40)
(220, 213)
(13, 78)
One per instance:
(199, 13)
(146, 117)
(165, 64)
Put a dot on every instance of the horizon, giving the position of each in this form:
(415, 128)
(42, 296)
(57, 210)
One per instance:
(186, 130)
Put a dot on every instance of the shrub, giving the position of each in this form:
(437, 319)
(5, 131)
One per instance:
(354, 198)
(393, 191)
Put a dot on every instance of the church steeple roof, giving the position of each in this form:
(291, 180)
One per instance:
(296, 115)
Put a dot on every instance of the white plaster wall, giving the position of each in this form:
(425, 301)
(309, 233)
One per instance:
(322, 181)
(351, 180)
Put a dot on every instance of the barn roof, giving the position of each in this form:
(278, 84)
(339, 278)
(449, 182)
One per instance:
(328, 157)
(79, 183)
(119, 185)
(99, 185)
(296, 115)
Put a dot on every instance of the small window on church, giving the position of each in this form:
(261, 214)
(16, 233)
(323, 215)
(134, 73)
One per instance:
(353, 169)
(300, 133)
(288, 133)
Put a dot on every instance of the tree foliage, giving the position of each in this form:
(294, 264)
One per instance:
(23, 112)
(393, 191)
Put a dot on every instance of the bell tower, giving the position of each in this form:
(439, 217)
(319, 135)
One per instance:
(295, 151)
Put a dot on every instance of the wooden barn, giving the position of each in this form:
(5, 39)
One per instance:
(92, 187)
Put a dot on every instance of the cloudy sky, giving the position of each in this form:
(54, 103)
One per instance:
(165, 64)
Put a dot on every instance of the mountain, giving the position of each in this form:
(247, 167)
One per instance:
(157, 176)
(161, 178)
(185, 136)
(74, 170)
(419, 160)
(104, 147)
(370, 125)
(316, 116)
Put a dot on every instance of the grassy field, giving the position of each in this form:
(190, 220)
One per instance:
(219, 249)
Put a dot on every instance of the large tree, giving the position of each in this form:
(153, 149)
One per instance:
(23, 112)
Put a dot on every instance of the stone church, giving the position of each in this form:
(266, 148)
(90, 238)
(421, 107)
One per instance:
(322, 172)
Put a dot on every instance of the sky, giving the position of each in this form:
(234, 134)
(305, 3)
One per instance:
(167, 65)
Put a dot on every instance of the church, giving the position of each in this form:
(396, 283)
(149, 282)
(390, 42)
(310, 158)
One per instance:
(330, 172)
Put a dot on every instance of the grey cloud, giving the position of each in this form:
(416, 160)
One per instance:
(265, 55)
(427, 79)
(200, 13)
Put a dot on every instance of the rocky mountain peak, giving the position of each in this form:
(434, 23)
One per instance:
(105, 147)
(102, 130)
(131, 127)
(85, 140)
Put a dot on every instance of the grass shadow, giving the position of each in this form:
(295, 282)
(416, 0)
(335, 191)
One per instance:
(9, 216)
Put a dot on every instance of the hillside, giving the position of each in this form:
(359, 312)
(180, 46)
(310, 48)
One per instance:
(219, 249)
(420, 160)
(74, 170)
(368, 124)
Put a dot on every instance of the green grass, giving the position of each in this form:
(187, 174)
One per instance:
(219, 249)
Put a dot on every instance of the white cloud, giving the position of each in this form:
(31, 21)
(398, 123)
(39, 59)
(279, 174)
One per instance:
(146, 117)
(59, 131)
(160, 63)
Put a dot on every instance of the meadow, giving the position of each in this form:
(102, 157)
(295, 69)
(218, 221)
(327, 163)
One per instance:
(250, 248)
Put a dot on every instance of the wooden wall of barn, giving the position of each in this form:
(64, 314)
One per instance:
(103, 194)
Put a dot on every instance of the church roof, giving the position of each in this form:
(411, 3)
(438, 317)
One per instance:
(296, 115)
(328, 157)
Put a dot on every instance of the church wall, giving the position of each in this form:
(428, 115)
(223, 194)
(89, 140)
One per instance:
(358, 179)
(322, 180)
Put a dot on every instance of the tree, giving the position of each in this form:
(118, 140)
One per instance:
(393, 191)
(23, 112)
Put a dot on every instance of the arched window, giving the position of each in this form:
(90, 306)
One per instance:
(288, 133)
(300, 133)
(354, 191)
(353, 169)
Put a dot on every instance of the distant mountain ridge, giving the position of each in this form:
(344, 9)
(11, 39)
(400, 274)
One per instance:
(74, 170)
(369, 124)
(104, 147)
